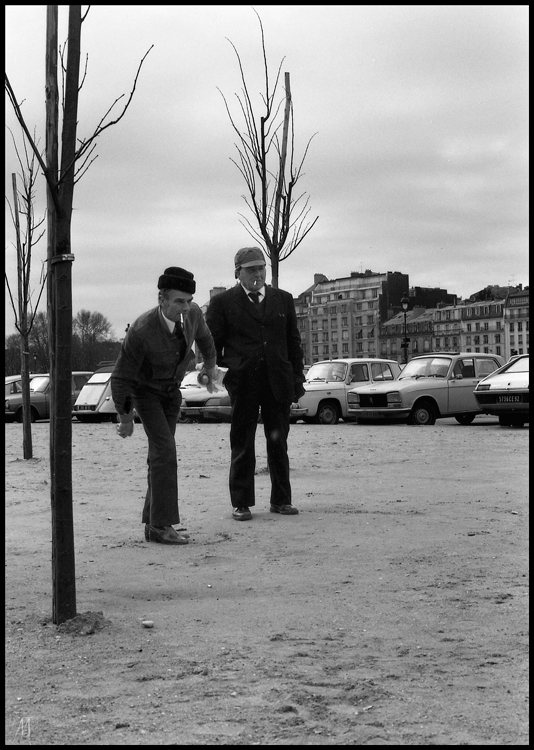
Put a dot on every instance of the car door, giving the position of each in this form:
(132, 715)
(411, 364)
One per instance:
(462, 383)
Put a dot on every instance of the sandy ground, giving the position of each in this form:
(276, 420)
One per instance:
(391, 611)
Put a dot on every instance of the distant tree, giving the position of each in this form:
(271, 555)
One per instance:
(12, 354)
(89, 330)
(266, 160)
(38, 343)
(26, 236)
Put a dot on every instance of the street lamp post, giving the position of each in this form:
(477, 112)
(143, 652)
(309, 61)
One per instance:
(405, 304)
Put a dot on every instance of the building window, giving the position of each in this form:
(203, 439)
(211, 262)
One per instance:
(344, 322)
(469, 326)
(497, 350)
(468, 340)
(477, 326)
(484, 339)
(477, 341)
(497, 338)
(333, 309)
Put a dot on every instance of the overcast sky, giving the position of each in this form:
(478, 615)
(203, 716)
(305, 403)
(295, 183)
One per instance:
(419, 165)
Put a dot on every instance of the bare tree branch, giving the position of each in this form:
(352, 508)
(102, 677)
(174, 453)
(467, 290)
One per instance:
(266, 161)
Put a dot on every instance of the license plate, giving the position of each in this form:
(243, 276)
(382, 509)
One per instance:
(509, 399)
(371, 415)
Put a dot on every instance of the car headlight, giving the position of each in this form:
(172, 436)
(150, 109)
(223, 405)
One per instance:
(353, 399)
(394, 399)
(483, 388)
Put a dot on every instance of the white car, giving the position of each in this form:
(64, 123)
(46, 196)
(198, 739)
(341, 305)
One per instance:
(94, 403)
(199, 405)
(431, 386)
(329, 381)
(506, 393)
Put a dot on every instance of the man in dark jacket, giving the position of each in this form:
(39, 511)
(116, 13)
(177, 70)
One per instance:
(257, 339)
(152, 362)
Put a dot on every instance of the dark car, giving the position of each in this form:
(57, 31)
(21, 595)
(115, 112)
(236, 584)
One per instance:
(505, 393)
(40, 397)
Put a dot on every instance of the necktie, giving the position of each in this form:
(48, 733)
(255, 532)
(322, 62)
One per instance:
(255, 297)
(178, 332)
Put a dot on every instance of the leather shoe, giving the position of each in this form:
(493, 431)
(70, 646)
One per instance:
(179, 531)
(167, 535)
(241, 514)
(285, 510)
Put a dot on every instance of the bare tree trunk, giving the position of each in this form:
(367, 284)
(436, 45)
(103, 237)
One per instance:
(60, 262)
(278, 219)
(27, 447)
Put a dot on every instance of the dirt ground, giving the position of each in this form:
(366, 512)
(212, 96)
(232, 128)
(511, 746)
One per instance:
(391, 611)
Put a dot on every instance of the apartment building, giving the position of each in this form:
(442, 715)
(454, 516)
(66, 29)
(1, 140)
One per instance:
(340, 318)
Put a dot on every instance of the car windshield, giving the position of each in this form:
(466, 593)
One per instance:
(39, 384)
(429, 367)
(327, 371)
(518, 365)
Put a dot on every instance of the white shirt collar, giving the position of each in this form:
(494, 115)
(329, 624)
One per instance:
(261, 292)
(170, 323)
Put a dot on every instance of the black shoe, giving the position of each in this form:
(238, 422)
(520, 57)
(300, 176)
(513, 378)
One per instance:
(241, 514)
(285, 510)
(147, 534)
(167, 535)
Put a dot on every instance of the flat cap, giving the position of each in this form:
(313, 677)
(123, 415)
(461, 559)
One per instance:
(249, 256)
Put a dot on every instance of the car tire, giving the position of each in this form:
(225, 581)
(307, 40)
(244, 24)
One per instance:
(183, 418)
(327, 413)
(19, 417)
(465, 419)
(423, 413)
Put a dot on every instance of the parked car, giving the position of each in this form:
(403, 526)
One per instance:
(94, 402)
(328, 382)
(430, 387)
(505, 393)
(40, 396)
(199, 405)
(14, 383)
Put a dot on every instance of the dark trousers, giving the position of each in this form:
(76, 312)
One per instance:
(158, 412)
(246, 402)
